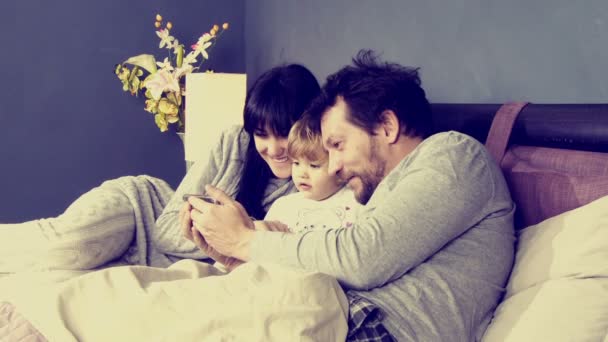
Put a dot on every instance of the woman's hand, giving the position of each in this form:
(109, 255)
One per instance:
(226, 227)
(185, 222)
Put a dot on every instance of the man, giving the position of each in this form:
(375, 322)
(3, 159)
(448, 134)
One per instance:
(433, 246)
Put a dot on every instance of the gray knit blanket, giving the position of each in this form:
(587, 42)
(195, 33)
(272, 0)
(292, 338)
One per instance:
(109, 225)
(147, 196)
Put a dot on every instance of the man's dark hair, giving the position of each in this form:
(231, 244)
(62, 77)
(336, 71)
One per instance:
(370, 87)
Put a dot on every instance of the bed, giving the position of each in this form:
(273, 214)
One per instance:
(555, 160)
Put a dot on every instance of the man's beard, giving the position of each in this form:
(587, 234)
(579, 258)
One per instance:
(371, 177)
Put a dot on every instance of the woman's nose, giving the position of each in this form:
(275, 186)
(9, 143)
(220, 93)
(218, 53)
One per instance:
(275, 147)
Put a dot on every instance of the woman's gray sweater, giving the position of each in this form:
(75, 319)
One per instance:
(223, 170)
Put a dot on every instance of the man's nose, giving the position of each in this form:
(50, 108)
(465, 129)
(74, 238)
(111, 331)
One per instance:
(334, 165)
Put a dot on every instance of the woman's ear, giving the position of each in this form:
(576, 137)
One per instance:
(390, 127)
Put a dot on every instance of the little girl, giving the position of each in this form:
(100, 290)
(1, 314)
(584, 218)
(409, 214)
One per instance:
(322, 200)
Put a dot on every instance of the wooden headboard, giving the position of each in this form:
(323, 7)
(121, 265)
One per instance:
(553, 162)
(569, 126)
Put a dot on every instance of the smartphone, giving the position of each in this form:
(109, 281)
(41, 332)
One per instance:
(201, 196)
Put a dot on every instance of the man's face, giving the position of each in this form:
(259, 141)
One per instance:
(354, 154)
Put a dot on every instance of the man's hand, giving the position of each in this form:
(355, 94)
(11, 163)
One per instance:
(271, 226)
(226, 227)
(195, 236)
(229, 262)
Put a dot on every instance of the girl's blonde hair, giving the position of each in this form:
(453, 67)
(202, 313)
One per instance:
(303, 142)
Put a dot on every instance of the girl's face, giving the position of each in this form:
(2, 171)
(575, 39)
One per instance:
(312, 179)
(273, 150)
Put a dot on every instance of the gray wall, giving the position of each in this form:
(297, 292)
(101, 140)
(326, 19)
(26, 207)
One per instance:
(66, 123)
(544, 51)
(67, 126)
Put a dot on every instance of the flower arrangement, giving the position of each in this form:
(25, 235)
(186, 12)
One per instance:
(163, 83)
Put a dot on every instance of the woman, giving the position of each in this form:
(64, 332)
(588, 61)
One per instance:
(107, 223)
(253, 171)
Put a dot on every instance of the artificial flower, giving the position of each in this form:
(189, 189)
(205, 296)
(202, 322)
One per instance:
(161, 122)
(168, 108)
(151, 106)
(165, 38)
(190, 58)
(163, 82)
(165, 64)
(160, 82)
(185, 69)
(202, 45)
(176, 46)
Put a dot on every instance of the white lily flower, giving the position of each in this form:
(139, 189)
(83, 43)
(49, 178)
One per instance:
(190, 57)
(175, 46)
(183, 70)
(202, 49)
(165, 38)
(202, 45)
(161, 81)
(204, 38)
(166, 64)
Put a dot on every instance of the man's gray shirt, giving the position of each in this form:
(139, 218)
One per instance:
(432, 248)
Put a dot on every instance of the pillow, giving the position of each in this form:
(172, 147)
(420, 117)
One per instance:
(555, 310)
(570, 245)
(558, 288)
(546, 182)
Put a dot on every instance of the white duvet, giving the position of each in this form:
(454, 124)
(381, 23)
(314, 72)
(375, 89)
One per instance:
(189, 301)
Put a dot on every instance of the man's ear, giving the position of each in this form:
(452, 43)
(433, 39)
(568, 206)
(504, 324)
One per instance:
(390, 127)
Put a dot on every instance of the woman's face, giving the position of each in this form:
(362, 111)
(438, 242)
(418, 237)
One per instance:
(273, 149)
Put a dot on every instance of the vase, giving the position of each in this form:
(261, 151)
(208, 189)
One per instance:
(182, 137)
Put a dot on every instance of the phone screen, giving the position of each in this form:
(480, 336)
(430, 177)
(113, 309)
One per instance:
(201, 196)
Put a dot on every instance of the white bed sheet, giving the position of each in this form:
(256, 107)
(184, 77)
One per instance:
(189, 301)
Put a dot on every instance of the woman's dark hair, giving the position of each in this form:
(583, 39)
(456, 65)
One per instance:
(370, 87)
(276, 100)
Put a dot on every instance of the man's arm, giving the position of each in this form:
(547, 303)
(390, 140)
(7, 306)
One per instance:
(431, 205)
